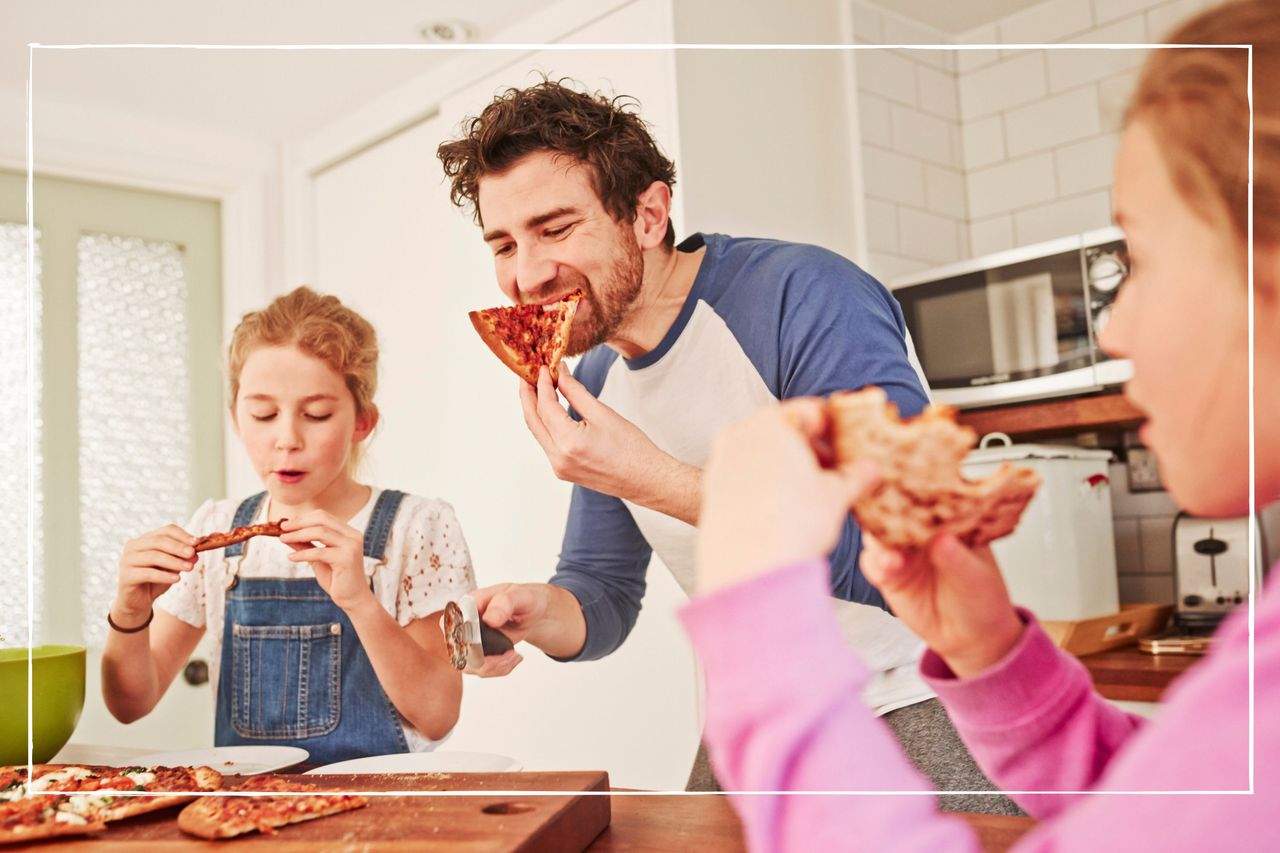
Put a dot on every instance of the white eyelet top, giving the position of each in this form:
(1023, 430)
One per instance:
(427, 565)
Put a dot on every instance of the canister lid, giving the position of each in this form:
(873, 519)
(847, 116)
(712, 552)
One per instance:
(998, 447)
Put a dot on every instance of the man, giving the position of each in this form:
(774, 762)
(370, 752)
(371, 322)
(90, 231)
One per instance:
(572, 192)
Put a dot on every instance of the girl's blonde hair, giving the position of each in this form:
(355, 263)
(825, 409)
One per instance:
(1196, 102)
(320, 326)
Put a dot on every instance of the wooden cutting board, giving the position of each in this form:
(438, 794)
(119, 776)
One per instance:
(502, 822)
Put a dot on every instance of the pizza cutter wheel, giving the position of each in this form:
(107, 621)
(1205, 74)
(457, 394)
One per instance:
(468, 638)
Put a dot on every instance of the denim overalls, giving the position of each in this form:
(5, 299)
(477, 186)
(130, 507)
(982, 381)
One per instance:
(293, 670)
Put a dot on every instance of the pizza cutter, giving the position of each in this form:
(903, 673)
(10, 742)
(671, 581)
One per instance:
(467, 637)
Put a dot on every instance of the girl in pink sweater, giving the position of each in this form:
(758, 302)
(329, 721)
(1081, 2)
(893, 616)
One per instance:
(780, 718)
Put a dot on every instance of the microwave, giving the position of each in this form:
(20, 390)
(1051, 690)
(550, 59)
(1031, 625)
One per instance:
(1018, 325)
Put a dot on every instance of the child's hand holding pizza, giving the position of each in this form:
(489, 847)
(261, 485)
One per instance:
(335, 551)
(767, 498)
(149, 565)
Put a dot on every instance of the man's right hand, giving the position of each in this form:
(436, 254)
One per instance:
(538, 613)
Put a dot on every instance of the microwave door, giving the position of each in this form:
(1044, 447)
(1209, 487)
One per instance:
(1024, 336)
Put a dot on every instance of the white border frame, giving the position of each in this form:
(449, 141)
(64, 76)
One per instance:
(293, 199)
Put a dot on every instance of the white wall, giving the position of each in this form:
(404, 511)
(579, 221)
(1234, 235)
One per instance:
(765, 142)
(389, 242)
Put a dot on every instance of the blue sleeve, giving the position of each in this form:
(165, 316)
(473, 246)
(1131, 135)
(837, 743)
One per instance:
(841, 330)
(603, 563)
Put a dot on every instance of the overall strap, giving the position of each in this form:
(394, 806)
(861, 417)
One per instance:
(379, 526)
(245, 513)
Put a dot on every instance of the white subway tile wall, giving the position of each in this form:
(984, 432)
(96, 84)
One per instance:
(1009, 83)
(944, 191)
(983, 142)
(1064, 216)
(1144, 540)
(1086, 165)
(1012, 185)
(921, 136)
(987, 236)
(1052, 121)
(1029, 134)
(912, 152)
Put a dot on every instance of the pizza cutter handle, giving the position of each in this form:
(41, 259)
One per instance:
(494, 641)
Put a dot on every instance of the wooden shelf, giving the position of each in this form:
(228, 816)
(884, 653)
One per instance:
(1056, 417)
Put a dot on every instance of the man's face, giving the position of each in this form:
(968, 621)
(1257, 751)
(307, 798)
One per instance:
(551, 235)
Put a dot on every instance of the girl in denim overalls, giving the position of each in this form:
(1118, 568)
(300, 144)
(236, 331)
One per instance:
(328, 637)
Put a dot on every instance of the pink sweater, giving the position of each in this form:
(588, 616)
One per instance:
(783, 714)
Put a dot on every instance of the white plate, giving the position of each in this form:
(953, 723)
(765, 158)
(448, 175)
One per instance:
(424, 762)
(229, 760)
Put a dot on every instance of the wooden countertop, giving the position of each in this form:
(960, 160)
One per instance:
(706, 822)
(1127, 673)
(632, 821)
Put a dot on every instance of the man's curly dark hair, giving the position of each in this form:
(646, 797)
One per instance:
(601, 132)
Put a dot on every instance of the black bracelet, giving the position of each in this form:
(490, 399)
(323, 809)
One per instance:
(150, 615)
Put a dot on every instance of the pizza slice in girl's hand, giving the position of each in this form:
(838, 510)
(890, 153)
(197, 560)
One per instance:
(921, 491)
(526, 337)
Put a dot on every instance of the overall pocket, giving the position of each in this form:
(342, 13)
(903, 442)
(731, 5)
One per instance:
(286, 680)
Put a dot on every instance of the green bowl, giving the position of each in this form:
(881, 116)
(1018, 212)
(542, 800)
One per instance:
(57, 677)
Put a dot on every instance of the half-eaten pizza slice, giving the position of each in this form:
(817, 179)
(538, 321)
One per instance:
(921, 491)
(526, 337)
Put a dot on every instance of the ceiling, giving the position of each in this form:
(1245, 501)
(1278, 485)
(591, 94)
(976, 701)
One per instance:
(955, 17)
(262, 94)
(276, 94)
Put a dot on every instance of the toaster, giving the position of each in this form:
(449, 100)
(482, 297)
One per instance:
(1212, 568)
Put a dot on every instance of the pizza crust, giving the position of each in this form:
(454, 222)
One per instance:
(921, 492)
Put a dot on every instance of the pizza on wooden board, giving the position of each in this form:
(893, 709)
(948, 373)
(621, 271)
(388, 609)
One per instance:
(921, 492)
(74, 805)
(526, 337)
(229, 816)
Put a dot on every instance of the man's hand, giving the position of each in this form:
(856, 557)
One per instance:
(604, 451)
(543, 615)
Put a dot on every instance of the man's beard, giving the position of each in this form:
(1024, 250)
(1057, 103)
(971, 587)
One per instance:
(608, 302)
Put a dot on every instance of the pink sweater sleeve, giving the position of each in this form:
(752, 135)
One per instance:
(784, 714)
(1033, 721)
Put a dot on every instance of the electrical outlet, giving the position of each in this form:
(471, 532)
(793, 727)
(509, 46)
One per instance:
(1144, 473)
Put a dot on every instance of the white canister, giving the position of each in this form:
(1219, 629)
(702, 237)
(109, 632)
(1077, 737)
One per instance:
(1060, 563)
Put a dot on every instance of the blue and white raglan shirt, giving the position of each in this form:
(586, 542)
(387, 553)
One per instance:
(765, 320)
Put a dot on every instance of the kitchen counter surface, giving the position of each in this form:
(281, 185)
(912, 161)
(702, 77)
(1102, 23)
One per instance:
(1129, 674)
(640, 823)
(666, 822)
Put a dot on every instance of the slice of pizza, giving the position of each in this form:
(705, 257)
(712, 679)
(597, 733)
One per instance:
(25, 817)
(526, 337)
(210, 541)
(229, 816)
(89, 788)
(31, 818)
(921, 491)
